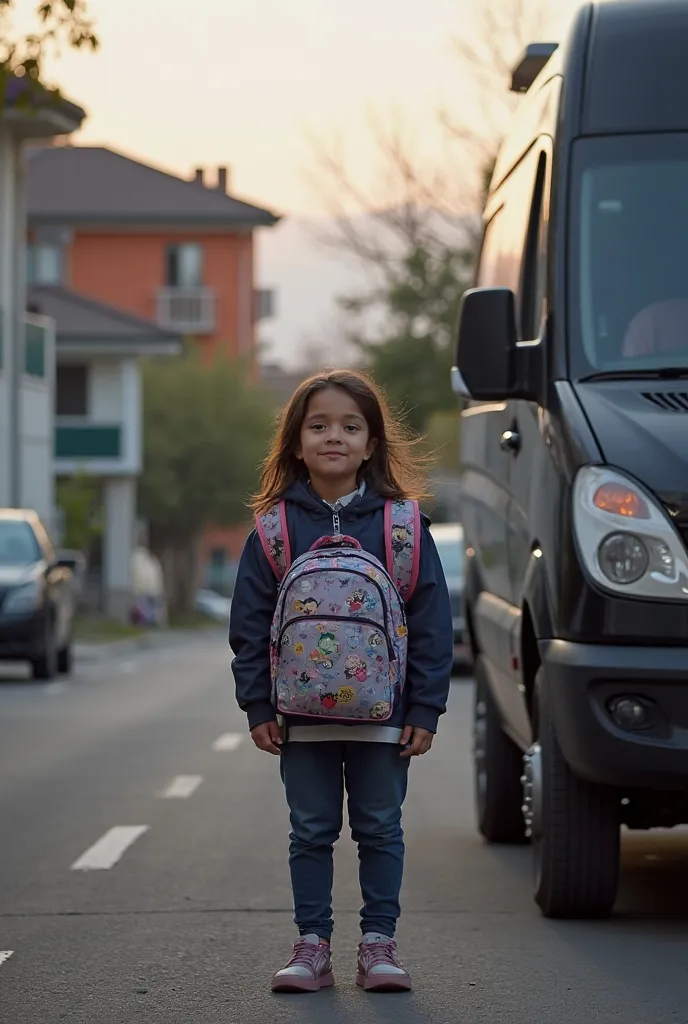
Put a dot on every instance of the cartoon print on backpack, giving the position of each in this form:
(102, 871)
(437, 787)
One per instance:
(353, 638)
(307, 607)
(400, 539)
(361, 600)
(356, 668)
(328, 645)
(381, 710)
(355, 600)
(327, 649)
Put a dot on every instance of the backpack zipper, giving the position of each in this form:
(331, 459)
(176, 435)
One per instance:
(337, 618)
(354, 618)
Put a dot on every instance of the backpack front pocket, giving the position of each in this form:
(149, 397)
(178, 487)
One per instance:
(337, 668)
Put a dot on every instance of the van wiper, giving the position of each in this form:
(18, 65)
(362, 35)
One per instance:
(663, 373)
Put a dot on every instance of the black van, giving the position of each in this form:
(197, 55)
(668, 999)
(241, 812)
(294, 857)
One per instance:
(573, 352)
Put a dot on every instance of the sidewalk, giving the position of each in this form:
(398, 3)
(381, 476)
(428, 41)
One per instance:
(153, 640)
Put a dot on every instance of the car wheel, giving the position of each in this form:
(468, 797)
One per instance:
(574, 827)
(64, 660)
(45, 667)
(498, 767)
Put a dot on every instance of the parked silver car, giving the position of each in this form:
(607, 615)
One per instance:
(450, 544)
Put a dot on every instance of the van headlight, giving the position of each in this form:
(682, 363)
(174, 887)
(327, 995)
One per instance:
(626, 541)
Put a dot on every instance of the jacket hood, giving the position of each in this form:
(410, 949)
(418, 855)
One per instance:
(303, 495)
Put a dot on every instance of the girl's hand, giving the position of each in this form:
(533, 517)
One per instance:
(420, 741)
(267, 737)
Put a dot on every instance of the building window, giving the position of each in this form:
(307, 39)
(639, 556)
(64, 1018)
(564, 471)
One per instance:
(71, 390)
(44, 264)
(184, 265)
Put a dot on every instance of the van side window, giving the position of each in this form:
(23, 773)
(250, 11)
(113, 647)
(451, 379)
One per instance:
(534, 274)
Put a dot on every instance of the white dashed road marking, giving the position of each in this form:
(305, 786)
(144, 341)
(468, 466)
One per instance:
(5, 955)
(181, 787)
(109, 848)
(228, 741)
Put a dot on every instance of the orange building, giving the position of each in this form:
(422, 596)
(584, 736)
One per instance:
(178, 254)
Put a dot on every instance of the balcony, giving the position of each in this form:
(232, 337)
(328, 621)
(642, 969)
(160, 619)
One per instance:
(186, 310)
(87, 440)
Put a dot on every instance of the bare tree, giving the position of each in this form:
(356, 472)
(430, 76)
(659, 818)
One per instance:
(497, 35)
(412, 206)
(432, 207)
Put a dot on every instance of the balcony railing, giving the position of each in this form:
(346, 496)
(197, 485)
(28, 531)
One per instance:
(187, 310)
(83, 441)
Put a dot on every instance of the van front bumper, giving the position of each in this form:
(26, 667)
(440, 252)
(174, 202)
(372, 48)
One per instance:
(583, 683)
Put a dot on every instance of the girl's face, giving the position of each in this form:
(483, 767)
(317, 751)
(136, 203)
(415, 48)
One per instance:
(334, 442)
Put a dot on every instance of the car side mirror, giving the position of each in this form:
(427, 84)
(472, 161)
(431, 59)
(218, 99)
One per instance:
(490, 364)
(73, 560)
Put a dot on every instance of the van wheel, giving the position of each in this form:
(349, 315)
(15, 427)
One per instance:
(498, 767)
(575, 828)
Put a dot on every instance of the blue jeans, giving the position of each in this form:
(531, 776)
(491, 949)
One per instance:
(375, 777)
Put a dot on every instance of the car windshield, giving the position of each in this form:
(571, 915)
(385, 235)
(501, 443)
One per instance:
(628, 294)
(18, 544)
(451, 556)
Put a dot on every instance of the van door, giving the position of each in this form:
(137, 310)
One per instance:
(526, 484)
(485, 479)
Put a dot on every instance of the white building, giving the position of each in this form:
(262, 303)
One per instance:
(98, 415)
(26, 343)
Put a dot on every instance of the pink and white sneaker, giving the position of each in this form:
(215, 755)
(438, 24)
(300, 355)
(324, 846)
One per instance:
(379, 968)
(309, 967)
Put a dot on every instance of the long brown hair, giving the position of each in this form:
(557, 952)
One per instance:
(393, 470)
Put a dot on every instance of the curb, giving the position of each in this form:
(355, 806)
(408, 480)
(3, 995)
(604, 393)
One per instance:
(89, 652)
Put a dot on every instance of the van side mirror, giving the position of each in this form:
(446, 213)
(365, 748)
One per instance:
(490, 364)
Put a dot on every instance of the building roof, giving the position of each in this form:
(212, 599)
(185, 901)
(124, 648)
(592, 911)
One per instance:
(282, 383)
(94, 184)
(86, 324)
(36, 112)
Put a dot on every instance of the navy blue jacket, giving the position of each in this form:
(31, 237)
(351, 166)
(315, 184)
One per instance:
(428, 613)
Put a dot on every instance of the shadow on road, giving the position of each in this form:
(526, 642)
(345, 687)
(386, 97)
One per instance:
(654, 876)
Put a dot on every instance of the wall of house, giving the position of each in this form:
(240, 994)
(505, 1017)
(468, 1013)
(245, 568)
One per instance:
(37, 482)
(127, 269)
(107, 441)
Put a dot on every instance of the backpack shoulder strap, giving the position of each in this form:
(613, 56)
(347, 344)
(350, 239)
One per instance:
(273, 534)
(402, 544)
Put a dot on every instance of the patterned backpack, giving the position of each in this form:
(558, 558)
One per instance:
(338, 640)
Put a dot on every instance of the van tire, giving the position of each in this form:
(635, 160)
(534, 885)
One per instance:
(498, 767)
(576, 854)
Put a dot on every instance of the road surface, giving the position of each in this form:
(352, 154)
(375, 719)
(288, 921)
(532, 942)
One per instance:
(143, 875)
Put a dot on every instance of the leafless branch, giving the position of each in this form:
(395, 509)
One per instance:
(413, 205)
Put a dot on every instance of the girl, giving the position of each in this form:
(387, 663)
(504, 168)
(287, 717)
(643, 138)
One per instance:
(338, 456)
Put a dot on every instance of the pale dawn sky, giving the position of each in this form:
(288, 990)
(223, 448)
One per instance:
(185, 83)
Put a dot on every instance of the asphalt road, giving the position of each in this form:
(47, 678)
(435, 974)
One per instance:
(189, 923)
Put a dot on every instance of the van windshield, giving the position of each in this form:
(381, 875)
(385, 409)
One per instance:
(628, 286)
